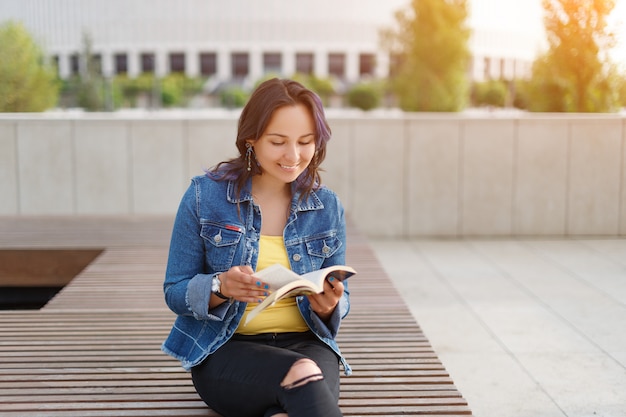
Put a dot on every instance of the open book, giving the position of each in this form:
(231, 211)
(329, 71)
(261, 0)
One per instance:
(284, 283)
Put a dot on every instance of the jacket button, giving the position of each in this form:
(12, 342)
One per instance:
(217, 238)
(326, 249)
(296, 257)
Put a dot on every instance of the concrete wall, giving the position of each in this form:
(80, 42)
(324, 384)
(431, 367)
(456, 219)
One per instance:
(398, 176)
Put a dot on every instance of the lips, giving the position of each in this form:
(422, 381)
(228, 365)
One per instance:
(288, 167)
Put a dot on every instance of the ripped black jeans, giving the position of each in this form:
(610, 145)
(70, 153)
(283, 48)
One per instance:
(243, 378)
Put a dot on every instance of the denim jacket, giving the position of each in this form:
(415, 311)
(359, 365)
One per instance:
(212, 233)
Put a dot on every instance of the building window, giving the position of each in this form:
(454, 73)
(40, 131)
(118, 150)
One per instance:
(208, 64)
(74, 64)
(121, 63)
(367, 63)
(177, 62)
(337, 65)
(272, 63)
(304, 63)
(147, 63)
(239, 61)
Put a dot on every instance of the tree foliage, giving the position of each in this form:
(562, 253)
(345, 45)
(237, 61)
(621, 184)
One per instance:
(91, 84)
(492, 93)
(322, 86)
(575, 73)
(365, 96)
(431, 41)
(27, 83)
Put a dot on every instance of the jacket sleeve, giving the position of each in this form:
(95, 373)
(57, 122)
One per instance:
(187, 288)
(330, 328)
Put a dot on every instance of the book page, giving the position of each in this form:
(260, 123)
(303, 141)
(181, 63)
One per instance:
(276, 276)
(299, 287)
(340, 272)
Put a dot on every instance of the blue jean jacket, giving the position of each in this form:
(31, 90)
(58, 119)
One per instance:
(212, 233)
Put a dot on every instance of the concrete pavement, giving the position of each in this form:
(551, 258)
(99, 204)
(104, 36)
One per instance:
(525, 327)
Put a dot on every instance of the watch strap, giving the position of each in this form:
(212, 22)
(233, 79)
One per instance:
(220, 295)
(216, 286)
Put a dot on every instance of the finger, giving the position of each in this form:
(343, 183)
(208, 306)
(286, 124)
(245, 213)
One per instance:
(239, 284)
(334, 287)
(250, 299)
(321, 304)
(323, 300)
(247, 269)
(314, 300)
(248, 292)
(242, 277)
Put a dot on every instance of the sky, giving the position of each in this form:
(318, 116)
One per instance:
(526, 17)
(618, 21)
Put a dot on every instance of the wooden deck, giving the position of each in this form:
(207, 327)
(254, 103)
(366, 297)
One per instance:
(94, 350)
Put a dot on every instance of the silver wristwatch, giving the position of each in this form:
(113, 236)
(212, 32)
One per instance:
(216, 286)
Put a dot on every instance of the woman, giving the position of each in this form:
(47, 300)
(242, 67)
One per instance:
(264, 207)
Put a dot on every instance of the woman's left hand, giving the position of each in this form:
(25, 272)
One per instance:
(324, 304)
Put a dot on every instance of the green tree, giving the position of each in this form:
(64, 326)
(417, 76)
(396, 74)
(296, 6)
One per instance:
(490, 93)
(365, 96)
(90, 84)
(27, 83)
(574, 74)
(233, 97)
(323, 87)
(431, 40)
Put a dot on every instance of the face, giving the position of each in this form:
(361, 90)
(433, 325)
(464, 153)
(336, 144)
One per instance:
(287, 146)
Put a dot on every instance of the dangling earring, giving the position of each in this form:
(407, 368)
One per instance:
(249, 156)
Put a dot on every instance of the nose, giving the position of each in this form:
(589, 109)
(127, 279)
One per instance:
(292, 153)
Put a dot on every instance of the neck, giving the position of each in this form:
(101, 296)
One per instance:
(260, 187)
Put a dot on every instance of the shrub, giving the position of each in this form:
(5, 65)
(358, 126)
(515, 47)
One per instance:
(233, 97)
(490, 93)
(365, 96)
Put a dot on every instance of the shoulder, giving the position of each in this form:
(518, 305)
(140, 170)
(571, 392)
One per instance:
(207, 181)
(323, 192)
(328, 197)
(204, 187)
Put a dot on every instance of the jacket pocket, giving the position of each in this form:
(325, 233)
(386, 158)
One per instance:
(321, 247)
(220, 242)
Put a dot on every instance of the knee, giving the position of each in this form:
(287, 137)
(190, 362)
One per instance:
(302, 372)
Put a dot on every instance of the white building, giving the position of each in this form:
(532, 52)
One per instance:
(236, 39)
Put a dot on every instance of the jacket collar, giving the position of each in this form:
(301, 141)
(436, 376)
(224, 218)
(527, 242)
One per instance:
(312, 202)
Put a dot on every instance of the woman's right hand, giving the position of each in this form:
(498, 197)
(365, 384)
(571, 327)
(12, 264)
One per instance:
(239, 284)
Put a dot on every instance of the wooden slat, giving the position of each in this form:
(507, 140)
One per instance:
(94, 350)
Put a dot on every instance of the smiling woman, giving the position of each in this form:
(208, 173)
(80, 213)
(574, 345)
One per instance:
(264, 207)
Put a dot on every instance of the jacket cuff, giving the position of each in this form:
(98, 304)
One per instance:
(199, 296)
(329, 328)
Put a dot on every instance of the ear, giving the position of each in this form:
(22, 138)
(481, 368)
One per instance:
(250, 141)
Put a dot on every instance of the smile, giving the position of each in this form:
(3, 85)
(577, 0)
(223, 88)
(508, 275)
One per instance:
(288, 166)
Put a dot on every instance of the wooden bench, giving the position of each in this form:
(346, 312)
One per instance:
(94, 350)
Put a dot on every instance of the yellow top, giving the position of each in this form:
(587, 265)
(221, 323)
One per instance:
(284, 316)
